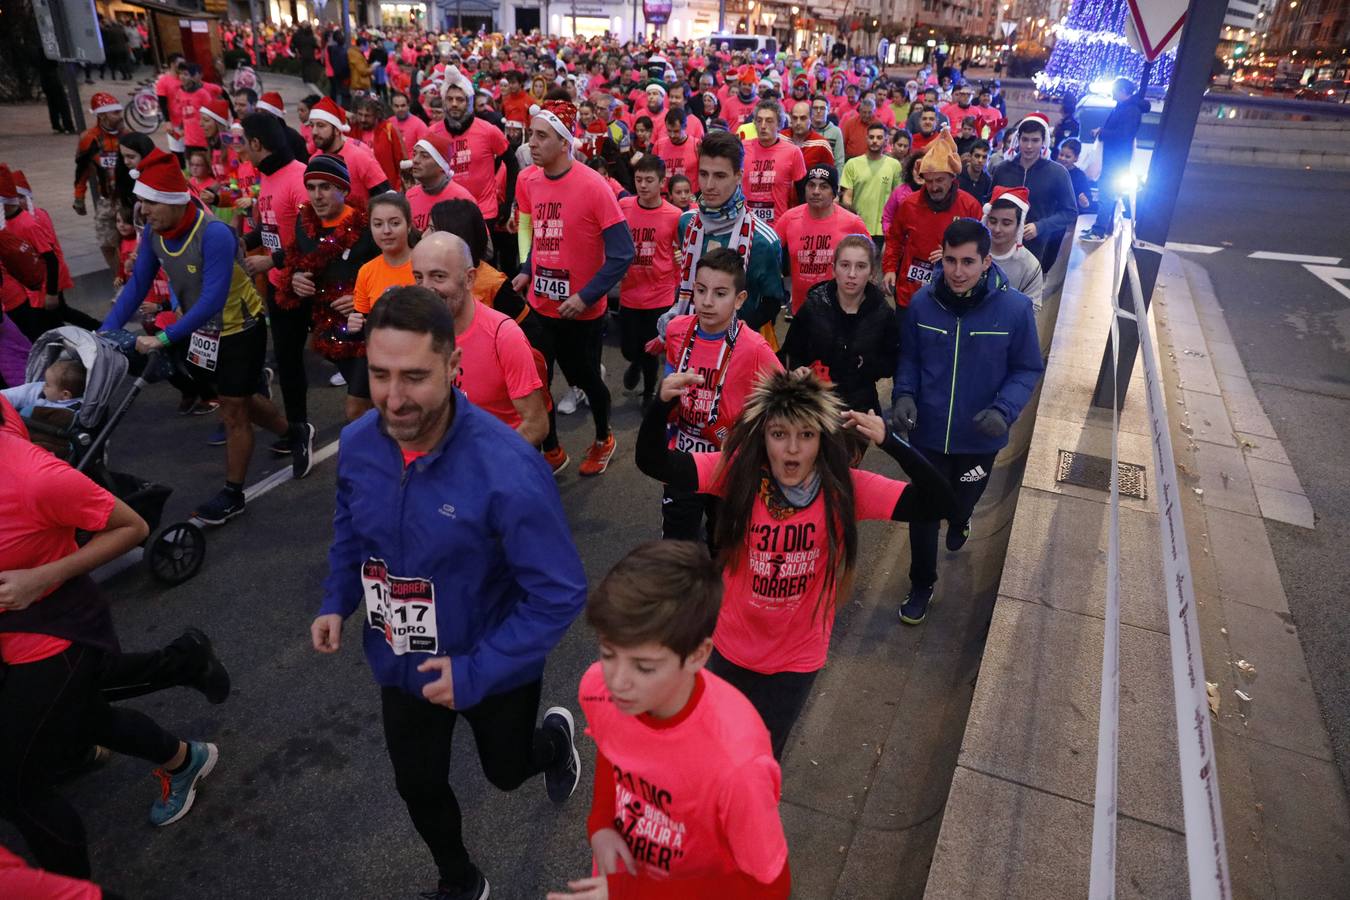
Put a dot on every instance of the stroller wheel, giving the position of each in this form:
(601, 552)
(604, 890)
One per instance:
(176, 552)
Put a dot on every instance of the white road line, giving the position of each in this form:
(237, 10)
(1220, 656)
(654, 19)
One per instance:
(1338, 278)
(1192, 248)
(281, 476)
(1297, 258)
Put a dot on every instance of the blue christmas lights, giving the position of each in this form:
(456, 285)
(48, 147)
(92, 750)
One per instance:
(1091, 47)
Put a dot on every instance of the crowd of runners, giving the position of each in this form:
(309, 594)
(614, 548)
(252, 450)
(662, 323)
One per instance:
(772, 238)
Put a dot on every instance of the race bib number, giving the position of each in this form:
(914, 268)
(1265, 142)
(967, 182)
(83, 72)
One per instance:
(688, 443)
(761, 210)
(204, 349)
(552, 284)
(402, 609)
(108, 160)
(922, 272)
(271, 240)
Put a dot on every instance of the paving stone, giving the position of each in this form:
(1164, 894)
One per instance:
(1283, 506)
(1207, 418)
(1274, 474)
(1257, 447)
(1222, 475)
(1243, 560)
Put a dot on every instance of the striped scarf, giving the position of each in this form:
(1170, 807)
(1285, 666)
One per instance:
(732, 217)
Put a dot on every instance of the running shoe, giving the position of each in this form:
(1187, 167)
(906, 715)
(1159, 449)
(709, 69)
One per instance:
(562, 778)
(1092, 236)
(281, 446)
(265, 383)
(178, 791)
(302, 450)
(572, 400)
(915, 608)
(186, 406)
(204, 407)
(957, 535)
(221, 508)
(217, 436)
(631, 376)
(557, 459)
(336, 380)
(474, 888)
(212, 680)
(597, 457)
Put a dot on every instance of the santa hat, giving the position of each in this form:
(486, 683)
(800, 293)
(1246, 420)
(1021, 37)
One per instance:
(454, 78)
(103, 102)
(328, 111)
(271, 102)
(941, 156)
(160, 180)
(560, 114)
(329, 168)
(659, 86)
(9, 191)
(1035, 118)
(438, 148)
(1017, 196)
(218, 110)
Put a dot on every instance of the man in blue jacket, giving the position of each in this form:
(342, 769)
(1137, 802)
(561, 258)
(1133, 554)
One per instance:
(1054, 209)
(969, 360)
(450, 528)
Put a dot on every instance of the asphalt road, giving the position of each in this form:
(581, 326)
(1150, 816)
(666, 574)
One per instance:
(1292, 331)
(303, 802)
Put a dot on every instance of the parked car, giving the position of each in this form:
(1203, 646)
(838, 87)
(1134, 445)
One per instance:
(1329, 90)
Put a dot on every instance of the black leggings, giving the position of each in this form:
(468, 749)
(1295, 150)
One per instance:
(636, 328)
(968, 474)
(290, 332)
(34, 321)
(575, 345)
(777, 697)
(418, 735)
(47, 707)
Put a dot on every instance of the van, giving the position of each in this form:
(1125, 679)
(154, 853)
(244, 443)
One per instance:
(754, 43)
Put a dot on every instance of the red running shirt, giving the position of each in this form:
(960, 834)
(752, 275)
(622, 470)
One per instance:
(653, 277)
(695, 796)
(568, 217)
(680, 159)
(422, 202)
(497, 365)
(769, 621)
(473, 156)
(769, 177)
(809, 244)
(750, 358)
(279, 197)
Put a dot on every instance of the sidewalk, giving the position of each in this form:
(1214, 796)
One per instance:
(1021, 799)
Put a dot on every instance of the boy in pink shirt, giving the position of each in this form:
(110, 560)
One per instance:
(686, 793)
(648, 288)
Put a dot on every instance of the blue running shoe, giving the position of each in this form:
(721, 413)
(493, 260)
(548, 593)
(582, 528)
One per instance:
(915, 608)
(217, 436)
(178, 791)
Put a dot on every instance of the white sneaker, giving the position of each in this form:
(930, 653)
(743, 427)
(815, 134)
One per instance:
(572, 400)
(337, 380)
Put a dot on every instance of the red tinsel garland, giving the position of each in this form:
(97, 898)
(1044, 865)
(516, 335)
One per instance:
(328, 323)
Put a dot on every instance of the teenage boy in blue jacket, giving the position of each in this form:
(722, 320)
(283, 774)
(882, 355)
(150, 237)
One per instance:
(450, 528)
(969, 360)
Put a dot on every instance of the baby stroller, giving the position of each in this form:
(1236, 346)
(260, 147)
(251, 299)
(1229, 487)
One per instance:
(80, 436)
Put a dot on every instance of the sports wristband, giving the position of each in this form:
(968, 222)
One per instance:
(163, 337)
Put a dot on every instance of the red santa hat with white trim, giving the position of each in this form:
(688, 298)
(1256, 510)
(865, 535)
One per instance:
(160, 180)
(103, 102)
(1019, 197)
(9, 191)
(1035, 118)
(218, 111)
(271, 102)
(328, 111)
(438, 148)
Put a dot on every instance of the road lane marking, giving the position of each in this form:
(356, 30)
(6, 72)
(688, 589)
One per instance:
(1192, 248)
(1336, 277)
(1297, 258)
(281, 476)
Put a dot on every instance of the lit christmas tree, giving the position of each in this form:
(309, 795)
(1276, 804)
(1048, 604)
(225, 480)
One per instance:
(1091, 47)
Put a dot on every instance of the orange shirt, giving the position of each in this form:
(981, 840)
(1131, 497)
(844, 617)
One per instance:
(376, 277)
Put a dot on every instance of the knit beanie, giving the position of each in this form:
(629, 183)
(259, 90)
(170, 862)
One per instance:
(329, 168)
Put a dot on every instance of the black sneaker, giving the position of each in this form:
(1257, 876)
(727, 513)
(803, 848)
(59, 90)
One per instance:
(475, 889)
(562, 778)
(915, 608)
(957, 535)
(221, 508)
(1092, 236)
(212, 679)
(302, 451)
(631, 376)
(281, 446)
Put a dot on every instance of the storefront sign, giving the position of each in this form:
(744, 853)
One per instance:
(656, 12)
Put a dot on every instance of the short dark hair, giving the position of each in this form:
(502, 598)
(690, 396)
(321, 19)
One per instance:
(650, 162)
(967, 231)
(723, 145)
(267, 130)
(876, 125)
(69, 375)
(419, 310)
(724, 259)
(1030, 124)
(514, 75)
(666, 592)
(463, 219)
(770, 105)
(249, 93)
(676, 116)
(1005, 203)
(980, 144)
(1073, 144)
(676, 179)
(311, 100)
(643, 120)
(399, 94)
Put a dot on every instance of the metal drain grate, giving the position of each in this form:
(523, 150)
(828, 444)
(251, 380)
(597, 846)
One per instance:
(1086, 470)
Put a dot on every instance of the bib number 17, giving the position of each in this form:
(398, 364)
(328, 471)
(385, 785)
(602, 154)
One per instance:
(402, 609)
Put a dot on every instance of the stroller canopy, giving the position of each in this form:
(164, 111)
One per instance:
(104, 364)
